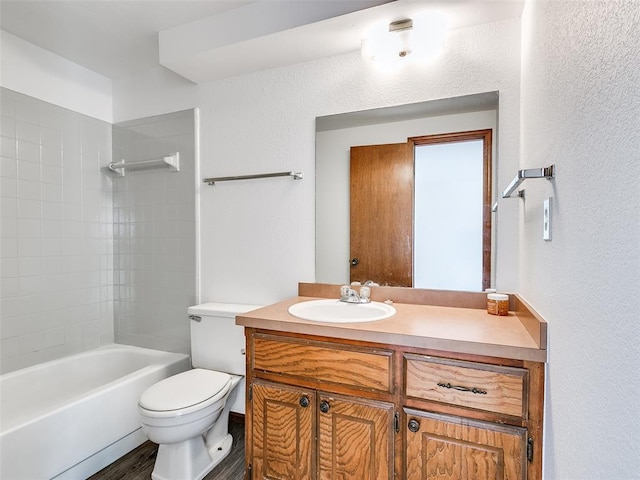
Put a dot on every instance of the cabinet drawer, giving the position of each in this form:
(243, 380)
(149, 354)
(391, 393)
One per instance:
(324, 362)
(474, 385)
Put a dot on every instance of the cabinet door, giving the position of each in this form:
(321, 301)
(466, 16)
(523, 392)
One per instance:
(283, 432)
(446, 447)
(355, 439)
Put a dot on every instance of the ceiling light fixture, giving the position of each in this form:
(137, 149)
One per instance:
(420, 38)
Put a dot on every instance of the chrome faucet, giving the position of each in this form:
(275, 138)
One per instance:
(349, 295)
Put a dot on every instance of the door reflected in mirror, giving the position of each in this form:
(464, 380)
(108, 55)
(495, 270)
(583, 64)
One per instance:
(419, 213)
(452, 217)
(336, 261)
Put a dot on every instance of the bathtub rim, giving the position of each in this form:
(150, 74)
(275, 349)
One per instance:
(94, 391)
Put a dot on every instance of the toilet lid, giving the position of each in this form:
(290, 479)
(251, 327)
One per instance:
(186, 390)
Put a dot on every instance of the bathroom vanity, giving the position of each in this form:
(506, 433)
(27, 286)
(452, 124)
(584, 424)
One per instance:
(440, 390)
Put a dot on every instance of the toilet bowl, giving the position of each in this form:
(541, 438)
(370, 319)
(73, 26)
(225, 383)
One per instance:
(187, 414)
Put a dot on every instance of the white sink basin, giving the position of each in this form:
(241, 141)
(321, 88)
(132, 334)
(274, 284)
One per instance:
(335, 311)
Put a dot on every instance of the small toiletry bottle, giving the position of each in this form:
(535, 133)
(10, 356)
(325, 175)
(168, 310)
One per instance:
(497, 304)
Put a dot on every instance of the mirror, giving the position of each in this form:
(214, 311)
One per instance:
(336, 134)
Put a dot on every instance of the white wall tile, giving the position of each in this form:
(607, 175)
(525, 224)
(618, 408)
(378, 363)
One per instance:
(8, 167)
(10, 347)
(27, 208)
(9, 248)
(8, 187)
(30, 247)
(8, 267)
(9, 227)
(146, 237)
(28, 266)
(28, 170)
(7, 127)
(52, 211)
(51, 192)
(50, 136)
(57, 274)
(52, 155)
(28, 189)
(8, 147)
(28, 151)
(9, 207)
(29, 132)
(51, 174)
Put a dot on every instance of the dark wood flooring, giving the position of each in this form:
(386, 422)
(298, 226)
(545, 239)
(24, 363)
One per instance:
(138, 464)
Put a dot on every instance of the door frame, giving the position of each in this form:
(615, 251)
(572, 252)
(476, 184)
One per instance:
(486, 135)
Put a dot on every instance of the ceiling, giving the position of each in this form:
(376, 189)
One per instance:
(204, 40)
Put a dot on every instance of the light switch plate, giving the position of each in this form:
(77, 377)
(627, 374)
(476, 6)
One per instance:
(546, 220)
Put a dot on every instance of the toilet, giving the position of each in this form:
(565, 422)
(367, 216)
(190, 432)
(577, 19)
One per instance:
(187, 414)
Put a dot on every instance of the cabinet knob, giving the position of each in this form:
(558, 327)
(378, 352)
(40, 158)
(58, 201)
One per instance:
(324, 407)
(413, 425)
(355, 261)
(304, 402)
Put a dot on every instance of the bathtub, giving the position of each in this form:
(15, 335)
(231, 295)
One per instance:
(71, 417)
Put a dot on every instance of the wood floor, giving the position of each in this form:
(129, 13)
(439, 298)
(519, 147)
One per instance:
(138, 464)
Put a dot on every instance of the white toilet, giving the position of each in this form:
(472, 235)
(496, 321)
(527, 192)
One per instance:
(188, 414)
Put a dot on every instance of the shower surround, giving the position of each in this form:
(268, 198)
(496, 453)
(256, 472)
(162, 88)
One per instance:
(56, 230)
(87, 258)
(154, 228)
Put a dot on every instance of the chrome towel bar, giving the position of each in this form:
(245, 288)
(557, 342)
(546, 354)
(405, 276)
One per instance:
(547, 172)
(213, 180)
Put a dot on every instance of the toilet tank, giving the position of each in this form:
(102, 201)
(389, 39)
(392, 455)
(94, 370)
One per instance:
(217, 343)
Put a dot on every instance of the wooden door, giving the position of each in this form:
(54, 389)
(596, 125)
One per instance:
(381, 213)
(355, 439)
(283, 432)
(440, 447)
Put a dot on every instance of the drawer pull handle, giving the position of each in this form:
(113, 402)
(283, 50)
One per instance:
(304, 402)
(413, 425)
(463, 389)
(324, 407)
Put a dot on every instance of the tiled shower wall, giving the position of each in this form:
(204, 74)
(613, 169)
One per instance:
(56, 268)
(155, 233)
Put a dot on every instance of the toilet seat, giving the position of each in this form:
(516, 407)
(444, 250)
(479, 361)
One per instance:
(185, 393)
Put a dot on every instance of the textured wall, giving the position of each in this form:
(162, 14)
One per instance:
(56, 232)
(581, 111)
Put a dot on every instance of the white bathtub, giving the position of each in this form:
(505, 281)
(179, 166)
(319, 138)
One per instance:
(71, 417)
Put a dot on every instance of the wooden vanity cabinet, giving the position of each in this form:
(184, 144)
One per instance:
(441, 447)
(283, 431)
(354, 437)
(473, 418)
(318, 410)
(332, 409)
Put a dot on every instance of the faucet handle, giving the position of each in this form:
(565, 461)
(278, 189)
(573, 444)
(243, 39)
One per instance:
(365, 293)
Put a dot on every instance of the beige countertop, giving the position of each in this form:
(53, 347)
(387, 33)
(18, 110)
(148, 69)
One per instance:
(449, 329)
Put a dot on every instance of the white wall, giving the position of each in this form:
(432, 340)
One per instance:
(258, 236)
(36, 72)
(581, 111)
